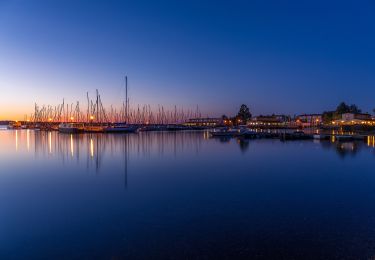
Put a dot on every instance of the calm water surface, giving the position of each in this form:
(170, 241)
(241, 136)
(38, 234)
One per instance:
(184, 196)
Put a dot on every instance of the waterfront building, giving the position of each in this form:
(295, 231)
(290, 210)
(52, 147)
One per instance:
(309, 120)
(354, 119)
(270, 121)
(211, 122)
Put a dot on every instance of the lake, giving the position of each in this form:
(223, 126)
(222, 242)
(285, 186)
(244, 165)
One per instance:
(184, 195)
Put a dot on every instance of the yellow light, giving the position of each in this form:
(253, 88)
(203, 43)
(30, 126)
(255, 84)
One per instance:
(50, 142)
(16, 140)
(28, 139)
(71, 145)
(50, 119)
(72, 118)
(91, 148)
(92, 117)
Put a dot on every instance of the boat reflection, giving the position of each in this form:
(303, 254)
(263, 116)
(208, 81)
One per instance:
(347, 148)
(244, 144)
(90, 149)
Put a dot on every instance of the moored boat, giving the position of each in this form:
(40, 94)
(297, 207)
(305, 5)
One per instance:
(120, 128)
(344, 138)
(149, 128)
(94, 128)
(224, 132)
(14, 125)
(71, 128)
(296, 135)
(176, 127)
(248, 134)
(321, 137)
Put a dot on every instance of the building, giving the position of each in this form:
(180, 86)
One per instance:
(270, 121)
(354, 119)
(211, 122)
(309, 120)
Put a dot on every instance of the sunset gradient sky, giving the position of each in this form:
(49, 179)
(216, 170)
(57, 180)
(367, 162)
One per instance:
(277, 57)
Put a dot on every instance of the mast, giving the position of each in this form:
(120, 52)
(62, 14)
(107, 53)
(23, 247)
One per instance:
(126, 100)
(97, 106)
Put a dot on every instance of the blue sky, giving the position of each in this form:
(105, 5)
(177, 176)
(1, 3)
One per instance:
(276, 56)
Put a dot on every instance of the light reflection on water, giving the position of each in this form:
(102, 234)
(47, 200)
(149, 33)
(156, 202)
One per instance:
(173, 195)
(42, 143)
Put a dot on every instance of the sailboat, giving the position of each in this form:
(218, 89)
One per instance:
(122, 127)
(71, 128)
(14, 125)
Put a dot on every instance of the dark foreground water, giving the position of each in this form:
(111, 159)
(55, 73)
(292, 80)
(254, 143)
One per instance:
(184, 196)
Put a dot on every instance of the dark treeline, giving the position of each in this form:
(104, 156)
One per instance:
(342, 108)
(242, 117)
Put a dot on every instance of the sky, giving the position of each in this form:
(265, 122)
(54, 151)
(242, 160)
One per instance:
(286, 57)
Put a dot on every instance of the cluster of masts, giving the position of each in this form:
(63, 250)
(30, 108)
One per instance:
(95, 112)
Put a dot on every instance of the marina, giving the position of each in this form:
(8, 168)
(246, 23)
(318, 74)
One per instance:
(190, 130)
(156, 190)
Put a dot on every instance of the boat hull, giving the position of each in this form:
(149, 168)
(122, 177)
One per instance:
(70, 130)
(344, 138)
(94, 129)
(120, 130)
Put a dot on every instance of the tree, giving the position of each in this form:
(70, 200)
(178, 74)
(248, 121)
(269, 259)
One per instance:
(354, 109)
(244, 114)
(344, 108)
(328, 116)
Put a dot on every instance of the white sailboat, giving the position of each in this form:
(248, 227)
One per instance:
(71, 128)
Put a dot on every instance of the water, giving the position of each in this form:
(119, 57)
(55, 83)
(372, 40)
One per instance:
(184, 196)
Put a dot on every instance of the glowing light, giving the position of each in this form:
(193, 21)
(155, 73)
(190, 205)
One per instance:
(16, 140)
(72, 118)
(50, 119)
(28, 139)
(371, 141)
(91, 147)
(71, 145)
(92, 117)
(50, 142)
